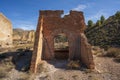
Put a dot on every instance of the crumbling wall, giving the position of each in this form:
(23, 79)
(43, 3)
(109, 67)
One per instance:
(31, 35)
(21, 36)
(52, 24)
(5, 32)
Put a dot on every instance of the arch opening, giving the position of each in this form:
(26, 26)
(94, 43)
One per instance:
(61, 46)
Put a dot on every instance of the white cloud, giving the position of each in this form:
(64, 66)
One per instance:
(97, 15)
(26, 25)
(80, 7)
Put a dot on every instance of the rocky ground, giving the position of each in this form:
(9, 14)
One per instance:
(13, 68)
(106, 69)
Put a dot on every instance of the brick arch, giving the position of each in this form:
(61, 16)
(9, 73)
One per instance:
(69, 37)
(49, 48)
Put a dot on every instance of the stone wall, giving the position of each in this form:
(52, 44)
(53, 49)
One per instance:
(21, 36)
(50, 24)
(5, 32)
(31, 35)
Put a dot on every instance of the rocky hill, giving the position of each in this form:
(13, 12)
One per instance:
(21, 36)
(105, 34)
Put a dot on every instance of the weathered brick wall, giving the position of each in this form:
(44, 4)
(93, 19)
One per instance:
(73, 26)
(5, 32)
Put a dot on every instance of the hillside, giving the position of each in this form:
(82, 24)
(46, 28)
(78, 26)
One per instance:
(106, 34)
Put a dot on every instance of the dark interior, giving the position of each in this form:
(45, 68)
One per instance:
(61, 54)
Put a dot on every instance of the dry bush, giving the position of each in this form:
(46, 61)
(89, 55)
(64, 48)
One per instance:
(113, 52)
(117, 58)
(7, 64)
(3, 72)
(73, 65)
(98, 51)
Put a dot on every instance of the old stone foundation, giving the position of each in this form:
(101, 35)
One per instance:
(50, 24)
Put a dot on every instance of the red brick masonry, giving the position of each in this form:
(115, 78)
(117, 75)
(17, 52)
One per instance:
(50, 24)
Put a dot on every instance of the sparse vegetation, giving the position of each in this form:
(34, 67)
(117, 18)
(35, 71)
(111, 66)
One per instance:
(24, 77)
(115, 53)
(5, 66)
(105, 33)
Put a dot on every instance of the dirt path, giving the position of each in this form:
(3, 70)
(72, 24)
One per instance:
(106, 69)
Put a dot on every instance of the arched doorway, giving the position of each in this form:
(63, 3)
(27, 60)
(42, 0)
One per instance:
(61, 46)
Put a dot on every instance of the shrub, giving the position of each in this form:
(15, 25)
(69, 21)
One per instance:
(113, 52)
(7, 64)
(117, 58)
(73, 65)
(20, 50)
(98, 51)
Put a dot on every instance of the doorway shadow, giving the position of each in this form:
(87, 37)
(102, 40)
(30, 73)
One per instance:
(61, 64)
(64, 64)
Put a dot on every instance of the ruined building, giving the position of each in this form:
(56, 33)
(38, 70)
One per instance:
(21, 36)
(50, 24)
(5, 32)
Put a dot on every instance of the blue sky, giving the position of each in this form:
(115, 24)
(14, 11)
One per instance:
(24, 13)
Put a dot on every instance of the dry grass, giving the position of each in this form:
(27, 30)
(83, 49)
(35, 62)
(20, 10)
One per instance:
(113, 52)
(3, 72)
(73, 65)
(96, 50)
(5, 66)
(24, 77)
